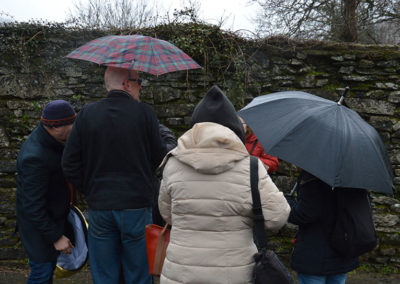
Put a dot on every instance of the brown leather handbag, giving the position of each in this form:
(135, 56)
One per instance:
(157, 239)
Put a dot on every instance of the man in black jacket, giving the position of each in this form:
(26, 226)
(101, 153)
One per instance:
(111, 156)
(42, 193)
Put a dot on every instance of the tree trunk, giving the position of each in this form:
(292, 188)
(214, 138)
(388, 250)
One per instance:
(349, 33)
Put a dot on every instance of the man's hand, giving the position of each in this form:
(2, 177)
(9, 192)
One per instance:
(63, 244)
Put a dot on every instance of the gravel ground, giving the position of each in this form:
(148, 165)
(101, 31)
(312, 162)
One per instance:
(13, 275)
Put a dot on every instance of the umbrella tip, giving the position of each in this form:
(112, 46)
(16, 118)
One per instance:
(343, 95)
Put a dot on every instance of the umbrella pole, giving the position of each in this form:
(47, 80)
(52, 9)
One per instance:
(342, 97)
(293, 190)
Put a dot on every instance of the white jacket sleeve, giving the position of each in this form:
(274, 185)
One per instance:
(274, 205)
(164, 201)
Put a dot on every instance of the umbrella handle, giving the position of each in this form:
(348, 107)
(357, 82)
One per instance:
(293, 190)
(342, 97)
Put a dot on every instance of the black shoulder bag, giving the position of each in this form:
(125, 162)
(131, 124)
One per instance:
(268, 268)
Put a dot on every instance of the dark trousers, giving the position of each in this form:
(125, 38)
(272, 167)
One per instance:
(41, 273)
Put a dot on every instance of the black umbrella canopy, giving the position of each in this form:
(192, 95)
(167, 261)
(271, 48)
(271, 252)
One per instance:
(322, 137)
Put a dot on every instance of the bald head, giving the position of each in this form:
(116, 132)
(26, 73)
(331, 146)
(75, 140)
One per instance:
(118, 79)
(115, 77)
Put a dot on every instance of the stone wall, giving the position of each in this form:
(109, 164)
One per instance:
(34, 70)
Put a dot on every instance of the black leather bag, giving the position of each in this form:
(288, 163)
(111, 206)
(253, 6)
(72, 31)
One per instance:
(268, 269)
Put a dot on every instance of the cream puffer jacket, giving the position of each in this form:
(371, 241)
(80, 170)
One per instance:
(205, 195)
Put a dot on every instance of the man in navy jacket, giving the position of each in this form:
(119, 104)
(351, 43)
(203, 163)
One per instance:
(42, 193)
(111, 156)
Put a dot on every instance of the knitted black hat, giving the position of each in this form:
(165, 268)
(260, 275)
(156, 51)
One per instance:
(58, 113)
(216, 107)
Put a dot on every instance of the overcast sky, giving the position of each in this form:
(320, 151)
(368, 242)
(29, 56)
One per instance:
(237, 13)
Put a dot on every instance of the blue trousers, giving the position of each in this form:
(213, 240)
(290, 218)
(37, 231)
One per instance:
(318, 279)
(117, 246)
(41, 273)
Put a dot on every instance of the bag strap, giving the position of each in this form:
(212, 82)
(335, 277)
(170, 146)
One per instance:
(260, 234)
(252, 148)
(71, 193)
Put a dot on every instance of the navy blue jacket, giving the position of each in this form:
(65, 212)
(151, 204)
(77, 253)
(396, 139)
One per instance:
(42, 195)
(170, 143)
(314, 214)
(113, 151)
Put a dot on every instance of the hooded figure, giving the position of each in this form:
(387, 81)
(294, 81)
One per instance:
(216, 107)
(205, 195)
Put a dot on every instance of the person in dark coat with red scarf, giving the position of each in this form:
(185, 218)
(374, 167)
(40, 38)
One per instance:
(254, 148)
(42, 192)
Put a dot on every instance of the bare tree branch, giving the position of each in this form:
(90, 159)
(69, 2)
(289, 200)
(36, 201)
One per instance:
(113, 14)
(343, 20)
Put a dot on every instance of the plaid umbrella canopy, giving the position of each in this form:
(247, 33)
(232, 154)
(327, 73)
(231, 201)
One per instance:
(136, 52)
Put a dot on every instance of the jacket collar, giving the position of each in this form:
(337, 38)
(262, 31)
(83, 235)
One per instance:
(47, 139)
(118, 94)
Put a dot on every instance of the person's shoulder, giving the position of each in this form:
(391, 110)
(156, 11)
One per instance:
(33, 140)
(89, 109)
(147, 109)
(32, 153)
(92, 105)
(170, 164)
(145, 106)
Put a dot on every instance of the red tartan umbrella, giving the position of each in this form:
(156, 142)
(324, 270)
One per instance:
(136, 52)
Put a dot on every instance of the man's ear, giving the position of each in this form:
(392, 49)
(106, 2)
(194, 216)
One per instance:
(125, 84)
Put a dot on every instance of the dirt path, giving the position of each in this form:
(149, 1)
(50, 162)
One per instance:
(11, 275)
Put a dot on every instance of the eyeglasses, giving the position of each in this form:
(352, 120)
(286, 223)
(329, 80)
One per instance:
(138, 80)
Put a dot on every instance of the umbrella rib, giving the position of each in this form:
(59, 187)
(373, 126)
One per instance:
(375, 145)
(339, 149)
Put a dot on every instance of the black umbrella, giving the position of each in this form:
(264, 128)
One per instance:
(322, 137)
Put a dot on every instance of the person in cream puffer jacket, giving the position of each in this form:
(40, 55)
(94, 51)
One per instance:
(205, 195)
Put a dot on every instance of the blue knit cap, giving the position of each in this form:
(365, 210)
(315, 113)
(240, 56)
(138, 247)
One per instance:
(58, 113)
